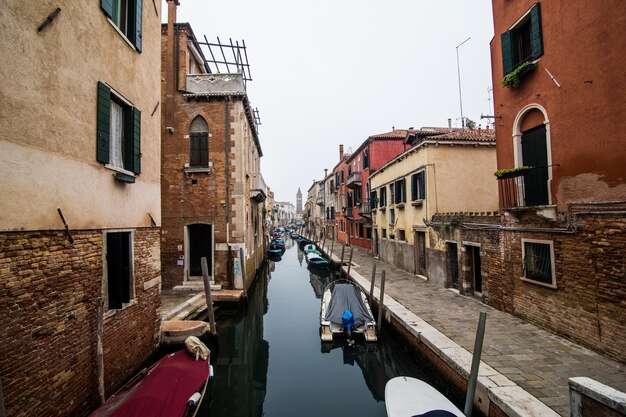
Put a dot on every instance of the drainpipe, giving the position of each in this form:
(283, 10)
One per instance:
(171, 62)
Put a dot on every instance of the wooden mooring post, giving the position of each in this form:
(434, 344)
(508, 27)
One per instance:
(381, 305)
(332, 246)
(350, 260)
(372, 284)
(207, 294)
(343, 250)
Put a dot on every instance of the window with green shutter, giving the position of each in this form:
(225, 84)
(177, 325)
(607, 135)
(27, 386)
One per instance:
(127, 16)
(418, 186)
(523, 42)
(118, 131)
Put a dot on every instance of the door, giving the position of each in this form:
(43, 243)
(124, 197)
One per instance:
(453, 264)
(200, 240)
(419, 239)
(375, 243)
(474, 254)
(535, 154)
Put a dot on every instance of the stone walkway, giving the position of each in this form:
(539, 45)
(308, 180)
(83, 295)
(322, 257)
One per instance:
(536, 360)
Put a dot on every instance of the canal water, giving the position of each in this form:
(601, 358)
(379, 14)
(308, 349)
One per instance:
(269, 359)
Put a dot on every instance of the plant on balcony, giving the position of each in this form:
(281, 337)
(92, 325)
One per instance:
(512, 172)
(513, 78)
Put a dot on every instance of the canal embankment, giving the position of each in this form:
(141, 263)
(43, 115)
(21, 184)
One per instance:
(524, 370)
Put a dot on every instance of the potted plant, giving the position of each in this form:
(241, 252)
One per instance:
(512, 172)
(513, 78)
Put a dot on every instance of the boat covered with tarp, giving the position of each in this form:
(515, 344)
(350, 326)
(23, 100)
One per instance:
(345, 312)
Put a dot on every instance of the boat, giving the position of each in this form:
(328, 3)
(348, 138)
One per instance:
(316, 260)
(406, 396)
(310, 247)
(278, 242)
(345, 312)
(174, 386)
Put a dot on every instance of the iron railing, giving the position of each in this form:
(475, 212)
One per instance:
(527, 188)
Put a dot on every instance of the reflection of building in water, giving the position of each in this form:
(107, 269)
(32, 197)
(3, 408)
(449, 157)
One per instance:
(319, 280)
(300, 257)
(242, 359)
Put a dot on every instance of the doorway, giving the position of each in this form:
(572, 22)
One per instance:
(473, 253)
(535, 154)
(199, 245)
(453, 264)
(419, 239)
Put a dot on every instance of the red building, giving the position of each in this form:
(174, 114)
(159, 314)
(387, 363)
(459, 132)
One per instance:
(373, 153)
(560, 118)
(341, 191)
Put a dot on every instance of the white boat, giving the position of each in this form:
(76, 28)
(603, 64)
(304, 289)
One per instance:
(406, 396)
(345, 312)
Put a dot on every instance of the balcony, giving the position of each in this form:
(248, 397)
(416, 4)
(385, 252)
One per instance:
(365, 209)
(320, 200)
(215, 84)
(524, 188)
(354, 180)
(258, 189)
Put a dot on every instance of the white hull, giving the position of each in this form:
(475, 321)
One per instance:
(405, 396)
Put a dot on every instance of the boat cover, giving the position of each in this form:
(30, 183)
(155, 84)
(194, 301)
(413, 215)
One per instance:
(163, 392)
(347, 297)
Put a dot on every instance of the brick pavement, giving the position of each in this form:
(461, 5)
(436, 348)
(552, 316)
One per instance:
(538, 361)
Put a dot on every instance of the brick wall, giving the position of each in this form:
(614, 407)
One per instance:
(48, 294)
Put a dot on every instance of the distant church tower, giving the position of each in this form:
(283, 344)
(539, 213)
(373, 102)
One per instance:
(299, 202)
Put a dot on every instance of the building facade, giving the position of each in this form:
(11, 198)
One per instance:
(372, 154)
(212, 189)
(80, 214)
(341, 216)
(560, 158)
(449, 172)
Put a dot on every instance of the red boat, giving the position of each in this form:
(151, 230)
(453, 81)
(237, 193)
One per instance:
(173, 387)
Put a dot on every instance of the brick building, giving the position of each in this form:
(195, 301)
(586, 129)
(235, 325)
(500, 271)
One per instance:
(80, 212)
(341, 191)
(212, 189)
(561, 159)
(372, 154)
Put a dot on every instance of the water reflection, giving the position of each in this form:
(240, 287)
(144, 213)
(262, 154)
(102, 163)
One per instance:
(299, 375)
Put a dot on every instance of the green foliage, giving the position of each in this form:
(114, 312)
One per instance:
(511, 172)
(512, 79)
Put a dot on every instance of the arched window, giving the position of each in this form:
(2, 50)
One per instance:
(199, 143)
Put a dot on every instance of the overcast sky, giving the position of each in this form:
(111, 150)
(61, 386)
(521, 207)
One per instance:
(332, 72)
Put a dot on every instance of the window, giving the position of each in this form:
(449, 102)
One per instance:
(337, 178)
(126, 15)
(384, 233)
(199, 143)
(118, 141)
(366, 160)
(119, 269)
(383, 196)
(418, 186)
(349, 200)
(392, 193)
(373, 200)
(401, 235)
(368, 233)
(361, 235)
(400, 191)
(392, 217)
(538, 264)
(343, 176)
(523, 42)
(357, 196)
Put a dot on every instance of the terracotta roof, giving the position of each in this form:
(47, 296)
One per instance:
(394, 134)
(467, 136)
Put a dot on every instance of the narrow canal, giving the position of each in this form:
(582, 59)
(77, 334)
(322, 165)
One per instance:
(269, 360)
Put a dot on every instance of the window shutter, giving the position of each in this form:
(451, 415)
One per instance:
(404, 190)
(422, 184)
(138, 18)
(507, 51)
(413, 187)
(126, 263)
(103, 121)
(107, 6)
(136, 140)
(535, 28)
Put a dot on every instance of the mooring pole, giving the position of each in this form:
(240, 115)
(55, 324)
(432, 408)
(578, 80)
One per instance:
(343, 250)
(207, 294)
(350, 261)
(478, 347)
(381, 305)
(332, 246)
(373, 280)
(243, 274)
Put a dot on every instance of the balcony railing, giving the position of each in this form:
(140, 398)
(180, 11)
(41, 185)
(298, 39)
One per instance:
(320, 200)
(365, 209)
(258, 189)
(527, 188)
(354, 180)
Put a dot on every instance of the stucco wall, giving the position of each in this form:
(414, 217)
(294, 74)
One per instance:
(48, 87)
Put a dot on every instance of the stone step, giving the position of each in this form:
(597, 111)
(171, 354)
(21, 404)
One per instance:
(197, 286)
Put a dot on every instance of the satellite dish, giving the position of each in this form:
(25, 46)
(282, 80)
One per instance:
(471, 124)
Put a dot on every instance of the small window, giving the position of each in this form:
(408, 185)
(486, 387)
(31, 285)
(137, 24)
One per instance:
(118, 141)
(392, 193)
(538, 261)
(401, 235)
(392, 217)
(119, 269)
(366, 160)
(126, 15)
(373, 200)
(361, 234)
(199, 143)
(418, 186)
(383, 197)
(400, 191)
(368, 233)
(523, 42)
(343, 179)
(384, 233)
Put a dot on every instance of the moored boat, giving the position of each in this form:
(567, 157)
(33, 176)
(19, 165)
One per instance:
(316, 260)
(345, 312)
(174, 386)
(406, 396)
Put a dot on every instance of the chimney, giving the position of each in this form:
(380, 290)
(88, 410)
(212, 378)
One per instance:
(449, 123)
(340, 152)
(487, 128)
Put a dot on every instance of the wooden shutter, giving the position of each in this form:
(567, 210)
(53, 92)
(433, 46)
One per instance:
(103, 123)
(137, 29)
(535, 31)
(508, 55)
(107, 6)
(422, 185)
(136, 140)
(403, 186)
(414, 192)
